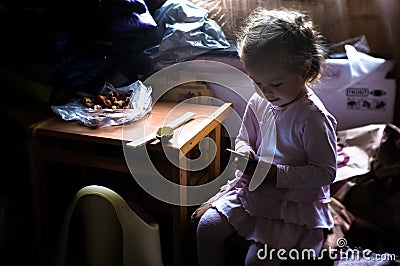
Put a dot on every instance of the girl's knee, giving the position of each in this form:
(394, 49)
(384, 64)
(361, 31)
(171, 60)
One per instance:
(213, 225)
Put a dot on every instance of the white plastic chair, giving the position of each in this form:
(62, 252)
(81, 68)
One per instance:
(101, 229)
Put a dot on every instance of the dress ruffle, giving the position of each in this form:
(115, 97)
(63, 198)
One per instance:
(268, 220)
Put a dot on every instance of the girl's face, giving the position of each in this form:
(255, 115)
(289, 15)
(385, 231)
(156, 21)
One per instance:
(276, 82)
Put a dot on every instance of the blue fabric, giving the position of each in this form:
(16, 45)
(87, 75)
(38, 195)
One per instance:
(185, 32)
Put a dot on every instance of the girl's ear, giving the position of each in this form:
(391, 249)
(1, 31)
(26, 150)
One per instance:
(306, 69)
(307, 66)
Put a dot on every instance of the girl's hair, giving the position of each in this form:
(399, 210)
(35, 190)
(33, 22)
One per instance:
(272, 31)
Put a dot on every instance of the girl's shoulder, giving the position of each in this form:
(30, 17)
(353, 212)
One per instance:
(311, 103)
(313, 110)
(258, 101)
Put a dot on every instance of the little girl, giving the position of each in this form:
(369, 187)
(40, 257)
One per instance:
(283, 53)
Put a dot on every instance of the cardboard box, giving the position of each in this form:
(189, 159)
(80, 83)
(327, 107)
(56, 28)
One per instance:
(368, 100)
(177, 85)
(190, 90)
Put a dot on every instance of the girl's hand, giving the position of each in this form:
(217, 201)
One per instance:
(267, 169)
(242, 160)
(247, 164)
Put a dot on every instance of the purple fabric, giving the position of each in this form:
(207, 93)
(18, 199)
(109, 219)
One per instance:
(125, 18)
(127, 26)
(122, 7)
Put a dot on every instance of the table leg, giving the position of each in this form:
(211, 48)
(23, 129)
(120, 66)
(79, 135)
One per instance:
(215, 167)
(180, 217)
(38, 189)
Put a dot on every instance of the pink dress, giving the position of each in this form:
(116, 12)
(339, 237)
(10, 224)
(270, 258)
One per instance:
(305, 154)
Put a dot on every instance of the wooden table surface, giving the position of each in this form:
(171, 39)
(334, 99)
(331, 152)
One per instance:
(161, 114)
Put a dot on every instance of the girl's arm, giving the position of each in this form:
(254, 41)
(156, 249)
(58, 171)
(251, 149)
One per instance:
(319, 140)
(246, 140)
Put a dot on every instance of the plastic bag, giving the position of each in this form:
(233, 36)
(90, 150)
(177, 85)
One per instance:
(140, 104)
(360, 43)
(341, 74)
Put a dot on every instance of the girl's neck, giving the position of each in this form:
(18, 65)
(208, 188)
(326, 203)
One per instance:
(299, 95)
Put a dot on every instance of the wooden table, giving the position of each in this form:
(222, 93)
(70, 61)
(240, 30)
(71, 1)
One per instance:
(55, 140)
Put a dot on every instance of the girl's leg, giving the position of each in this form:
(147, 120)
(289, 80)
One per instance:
(212, 231)
(312, 241)
(258, 255)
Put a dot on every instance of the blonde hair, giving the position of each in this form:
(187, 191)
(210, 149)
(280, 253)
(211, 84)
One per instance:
(271, 31)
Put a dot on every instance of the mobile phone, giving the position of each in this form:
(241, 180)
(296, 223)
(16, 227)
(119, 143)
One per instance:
(240, 155)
